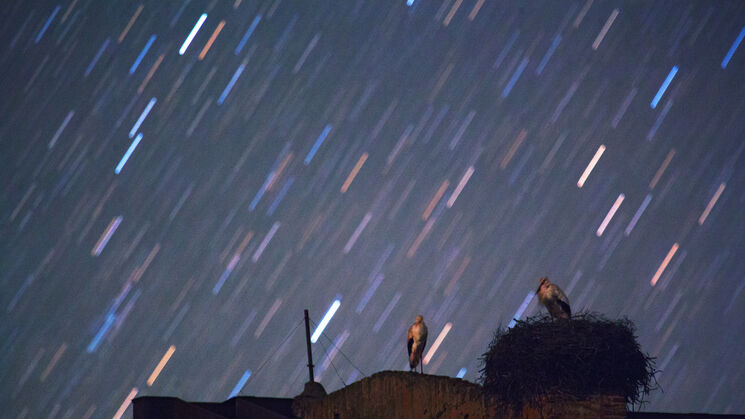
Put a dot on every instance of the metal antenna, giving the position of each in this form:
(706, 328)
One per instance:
(307, 341)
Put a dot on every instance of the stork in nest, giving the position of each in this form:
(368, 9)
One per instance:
(554, 299)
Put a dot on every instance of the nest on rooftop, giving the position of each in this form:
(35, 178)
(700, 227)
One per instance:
(584, 356)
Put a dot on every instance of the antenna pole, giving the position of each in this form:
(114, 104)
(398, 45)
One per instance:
(307, 341)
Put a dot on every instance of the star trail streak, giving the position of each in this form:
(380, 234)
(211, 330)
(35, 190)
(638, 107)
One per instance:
(232, 81)
(733, 48)
(590, 166)
(609, 215)
(142, 117)
(415, 157)
(247, 35)
(436, 345)
(46, 25)
(128, 154)
(144, 51)
(317, 144)
(664, 87)
(240, 384)
(521, 309)
(192, 34)
(161, 364)
(325, 321)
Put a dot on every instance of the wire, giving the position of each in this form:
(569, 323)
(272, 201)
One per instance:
(275, 351)
(340, 351)
(332, 364)
(345, 356)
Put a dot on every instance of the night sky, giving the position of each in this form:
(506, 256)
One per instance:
(182, 178)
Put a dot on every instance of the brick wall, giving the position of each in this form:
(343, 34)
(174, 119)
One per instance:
(397, 394)
(610, 407)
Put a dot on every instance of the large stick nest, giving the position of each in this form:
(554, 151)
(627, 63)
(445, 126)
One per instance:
(586, 355)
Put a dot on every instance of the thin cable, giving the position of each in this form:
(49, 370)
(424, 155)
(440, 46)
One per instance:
(332, 364)
(342, 352)
(274, 352)
(345, 355)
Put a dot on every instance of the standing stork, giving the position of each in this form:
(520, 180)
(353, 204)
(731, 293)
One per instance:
(416, 341)
(554, 299)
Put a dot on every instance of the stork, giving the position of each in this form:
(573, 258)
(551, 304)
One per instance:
(554, 299)
(416, 341)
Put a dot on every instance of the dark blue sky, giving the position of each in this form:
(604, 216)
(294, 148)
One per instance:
(169, 208)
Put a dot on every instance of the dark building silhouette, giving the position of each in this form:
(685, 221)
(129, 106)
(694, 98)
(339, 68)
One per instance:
(395, 394)
(238, 407)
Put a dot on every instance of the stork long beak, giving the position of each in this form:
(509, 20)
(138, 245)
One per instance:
(540, 285)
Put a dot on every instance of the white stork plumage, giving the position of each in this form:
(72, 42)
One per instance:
(416, 341)
(554, 299)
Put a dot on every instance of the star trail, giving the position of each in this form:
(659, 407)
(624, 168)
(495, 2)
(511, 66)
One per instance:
(181, 179)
